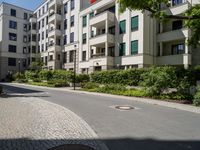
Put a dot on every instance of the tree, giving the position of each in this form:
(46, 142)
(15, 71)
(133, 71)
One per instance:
(37, 65)
(191, 16)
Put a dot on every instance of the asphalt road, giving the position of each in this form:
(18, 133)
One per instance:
(148, 127)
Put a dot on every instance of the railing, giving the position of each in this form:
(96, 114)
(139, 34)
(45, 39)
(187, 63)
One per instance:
(98, 55)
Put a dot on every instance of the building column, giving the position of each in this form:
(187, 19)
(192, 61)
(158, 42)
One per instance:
(186, 56)
(106, 27)
(161, 49)
(106, 49)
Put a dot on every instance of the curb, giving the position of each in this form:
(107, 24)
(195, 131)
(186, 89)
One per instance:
(183, 107)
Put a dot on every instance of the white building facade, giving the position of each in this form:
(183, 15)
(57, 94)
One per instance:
(68, 34)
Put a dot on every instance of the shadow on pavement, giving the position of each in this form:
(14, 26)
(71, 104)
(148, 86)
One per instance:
(112, 144)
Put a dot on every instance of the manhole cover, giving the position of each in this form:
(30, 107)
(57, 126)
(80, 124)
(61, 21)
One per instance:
(124, 107)
(72, 147)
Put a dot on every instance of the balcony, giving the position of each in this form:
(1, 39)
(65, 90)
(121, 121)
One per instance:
(173, 35)
(54, 47)
(180, 59)
(54, 32)
(99, 39)
(178, 9)
(33, 20)
(33, 43)
(53, 17)
(52, 3)
(102, 17)
(98, 55)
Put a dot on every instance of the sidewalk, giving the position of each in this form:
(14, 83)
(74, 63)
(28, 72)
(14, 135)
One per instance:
(34, 124)
(178, 106)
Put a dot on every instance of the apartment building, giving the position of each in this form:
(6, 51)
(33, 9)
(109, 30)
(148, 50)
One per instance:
(14, 40)
(92, 35)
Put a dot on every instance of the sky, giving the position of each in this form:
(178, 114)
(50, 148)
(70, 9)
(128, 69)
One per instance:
(28, 4)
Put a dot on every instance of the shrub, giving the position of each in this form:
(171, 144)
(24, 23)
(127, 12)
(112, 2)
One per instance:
(111, 87)
(37, 80)
(45, 75)
(196, 100)
(82, 78)
(58, 83)
(19, 77)
(61, 74)
(129, 77)
(158, 79)
(90, 85)
(30, 75)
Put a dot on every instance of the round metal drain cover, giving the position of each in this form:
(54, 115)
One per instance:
(72, 147)
(124, 107)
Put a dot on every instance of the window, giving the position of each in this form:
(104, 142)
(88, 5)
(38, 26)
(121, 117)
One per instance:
(24, 50)
(12, 36)
(13, 12)
(12, 24)
(176, 2)
(177, 25)
(42, 47)
(46, 46)
(33, 49)
(72, 37)
(25, 39)
(65, 39)
(42, 22)
(25, 27)
(134, 23)
(178, 49)
(12, 48)
(25, 16)
(42, 35)
(58, 57)
(72, 21)
(65, 24)
(84, 56)
(84, 21)
(84, 38)
(43, 10)
(65, 8)
(72, 5)
(122, 49)
(71, 56)
(39, 25)
(47, 20)
(91, 14)
(134, 47)
(12, 62)
(46, 33)
(39, 37)
(122, 27)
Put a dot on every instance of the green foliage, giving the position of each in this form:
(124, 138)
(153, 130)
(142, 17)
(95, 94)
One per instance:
(19, 77)
(36, 66)
(58, 83)
(30, 75)
(129, 77)
(158, 79)
(196, 100)
(45, 75)
(61, 74)
(90, 85)
(82, 78)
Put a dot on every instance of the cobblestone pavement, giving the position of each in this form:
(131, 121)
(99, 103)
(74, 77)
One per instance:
(29, 123)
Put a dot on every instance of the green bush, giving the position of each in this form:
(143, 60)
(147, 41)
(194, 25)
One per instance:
(19, 77)
(45, 75)
(196, 100)
(82, 78)
(58, 83)
(129, 77)
(158, 79)
(90, 85)
(61, 74)
(30, 75)
(37, 80)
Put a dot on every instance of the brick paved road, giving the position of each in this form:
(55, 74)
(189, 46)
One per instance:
(28, 123)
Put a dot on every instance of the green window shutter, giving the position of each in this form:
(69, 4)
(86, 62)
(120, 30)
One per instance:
(122, 49)
(134, 47)
(84, 21)
(122, 27)
(91, 14)
(134, 23)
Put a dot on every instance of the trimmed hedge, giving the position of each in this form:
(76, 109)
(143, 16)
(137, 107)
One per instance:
(130, 77)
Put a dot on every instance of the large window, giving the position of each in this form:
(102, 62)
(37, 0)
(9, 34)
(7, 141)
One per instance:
(25, 16)
(12, 48)
(176, 2)
(12, 36)
(72, 4)
(65, 39)
(84, 21)
(13, 12)
(84, 56)
(65, 8)
(134, 23)
(12, 62)
(72, 21)
(84, 40)
(122, 27)
(65, 24)
(177, 25)
(134, 47)
(71, 56)
(122, 49)
(12, 24)
(178, 49)
(72, 37)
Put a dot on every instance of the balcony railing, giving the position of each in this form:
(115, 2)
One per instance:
(98, 55)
